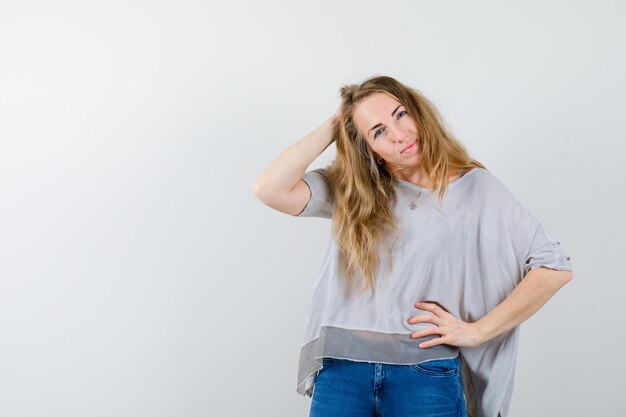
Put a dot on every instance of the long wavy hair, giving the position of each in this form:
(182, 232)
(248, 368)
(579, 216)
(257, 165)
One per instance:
(364, 189)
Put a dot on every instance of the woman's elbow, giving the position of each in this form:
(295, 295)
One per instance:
(565, 276)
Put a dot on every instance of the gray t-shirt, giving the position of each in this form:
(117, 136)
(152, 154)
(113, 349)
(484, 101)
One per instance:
(467, 256)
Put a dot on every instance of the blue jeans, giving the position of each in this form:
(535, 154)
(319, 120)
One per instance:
(348, 388)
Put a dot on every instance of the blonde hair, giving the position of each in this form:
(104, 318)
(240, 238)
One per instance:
(364, 189)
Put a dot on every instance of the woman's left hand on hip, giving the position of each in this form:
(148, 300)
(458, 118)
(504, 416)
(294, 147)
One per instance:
(453, 331)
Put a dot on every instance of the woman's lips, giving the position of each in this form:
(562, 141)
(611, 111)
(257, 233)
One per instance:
(409, 148)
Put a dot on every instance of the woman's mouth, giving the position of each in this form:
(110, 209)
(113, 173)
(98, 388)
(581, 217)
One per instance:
(411, 146)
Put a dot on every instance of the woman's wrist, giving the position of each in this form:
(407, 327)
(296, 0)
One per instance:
(329, 128)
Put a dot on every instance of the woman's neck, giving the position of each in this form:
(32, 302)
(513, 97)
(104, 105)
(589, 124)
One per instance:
(418, 176)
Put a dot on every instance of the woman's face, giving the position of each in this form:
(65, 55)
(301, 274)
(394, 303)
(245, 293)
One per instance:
(388, 130)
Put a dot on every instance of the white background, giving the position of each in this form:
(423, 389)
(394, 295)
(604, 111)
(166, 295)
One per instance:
(139, 276)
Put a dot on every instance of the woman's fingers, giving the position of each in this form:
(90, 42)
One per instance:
(425, 332)
(452, 330)
(424, 318)
(432, 342)
(435, 308)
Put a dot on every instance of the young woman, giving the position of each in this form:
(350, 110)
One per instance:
(432, 267)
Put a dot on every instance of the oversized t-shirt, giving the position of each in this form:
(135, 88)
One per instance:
(466, 255)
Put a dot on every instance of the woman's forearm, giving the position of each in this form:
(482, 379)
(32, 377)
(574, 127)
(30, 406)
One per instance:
(290, 165)
(534, 290)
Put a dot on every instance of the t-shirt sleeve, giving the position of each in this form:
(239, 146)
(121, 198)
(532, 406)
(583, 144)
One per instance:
(320, 203)
(544, 250)
(518, 229)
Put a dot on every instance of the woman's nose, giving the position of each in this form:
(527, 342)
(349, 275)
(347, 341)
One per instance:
(398, 134)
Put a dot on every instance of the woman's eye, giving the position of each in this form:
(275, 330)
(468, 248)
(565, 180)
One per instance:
(379, 131)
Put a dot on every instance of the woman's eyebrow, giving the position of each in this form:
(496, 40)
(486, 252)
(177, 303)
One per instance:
(379, 124)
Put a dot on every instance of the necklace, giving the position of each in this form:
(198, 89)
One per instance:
(413, 204)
